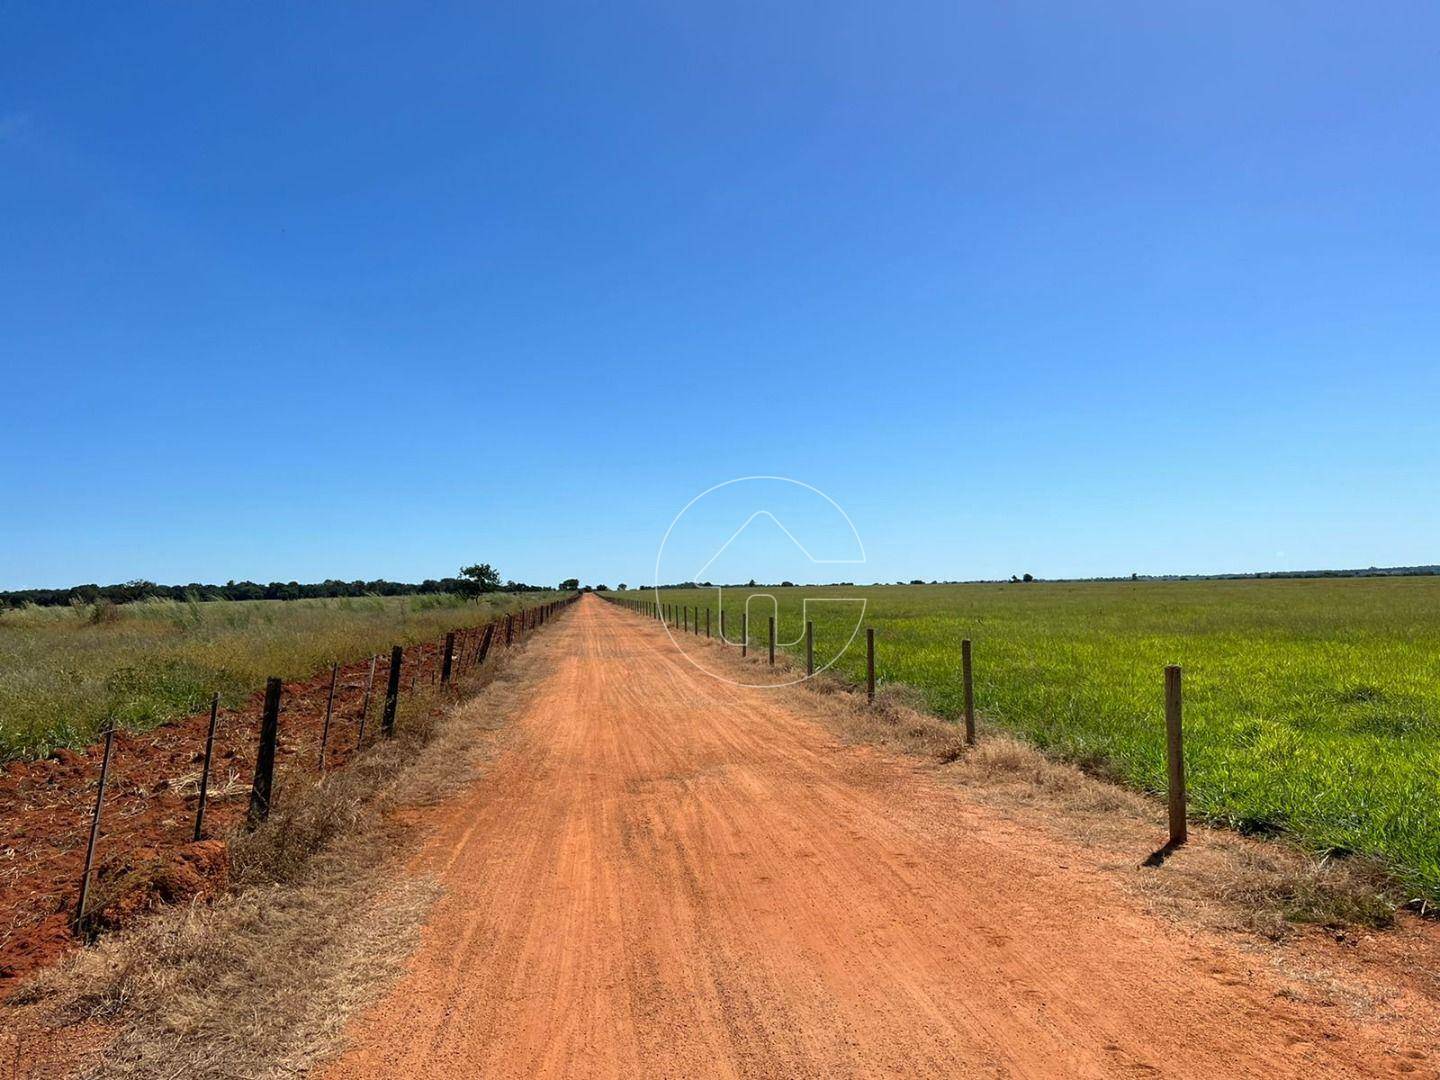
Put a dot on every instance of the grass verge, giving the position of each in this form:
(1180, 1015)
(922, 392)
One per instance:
(1312, 707)
(316, 923)
(1264, 886)
(63, 671)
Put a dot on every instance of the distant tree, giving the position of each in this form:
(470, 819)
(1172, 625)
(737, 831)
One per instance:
(620, 587)
(787, 584)
(752, 584)
(479, 578)
(1014, 578)
(1028, 577)
(602, 588)
(1134, 577)
(570, 583)
(917, 581)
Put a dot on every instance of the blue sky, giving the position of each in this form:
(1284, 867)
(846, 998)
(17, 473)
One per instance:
(298, 291)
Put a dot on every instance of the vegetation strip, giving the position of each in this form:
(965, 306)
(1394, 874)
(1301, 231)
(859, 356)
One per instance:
(64, 671)
(147, 847)
(313, 922)
(1312, 706)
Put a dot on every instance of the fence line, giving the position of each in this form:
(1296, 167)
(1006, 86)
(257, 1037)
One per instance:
(1176, 796)
(262, 790)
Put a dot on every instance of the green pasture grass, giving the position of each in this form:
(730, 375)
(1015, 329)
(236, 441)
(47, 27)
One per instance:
(64, 670)
(1312, 706)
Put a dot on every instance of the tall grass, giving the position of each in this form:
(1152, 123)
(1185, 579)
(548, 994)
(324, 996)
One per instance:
(64, 670)
(1311, 706)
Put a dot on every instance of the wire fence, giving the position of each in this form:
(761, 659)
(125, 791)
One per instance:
(146, 794)
(688, 621)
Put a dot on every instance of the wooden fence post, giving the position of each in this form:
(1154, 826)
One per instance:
(772, 640)
(809, 648)
(870, 663)
(392, 692)
(449, 659)
(967, 674)
(329, 709)
(509, 629)
(744, 633)
(1175, 756)
(707, 624)
(485, 645)
(263, 786)
(94, 828)
(205, 769)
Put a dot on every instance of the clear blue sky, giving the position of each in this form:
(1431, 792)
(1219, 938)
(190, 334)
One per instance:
(309, 290)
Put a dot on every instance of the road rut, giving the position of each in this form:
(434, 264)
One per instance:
(667, 875)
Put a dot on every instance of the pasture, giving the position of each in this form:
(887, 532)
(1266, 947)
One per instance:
(63, 671)
(1312, 706)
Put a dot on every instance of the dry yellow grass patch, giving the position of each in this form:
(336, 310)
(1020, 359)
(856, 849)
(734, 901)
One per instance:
(320, 918)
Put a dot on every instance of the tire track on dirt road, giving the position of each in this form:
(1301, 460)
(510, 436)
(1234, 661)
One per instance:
(668, 875)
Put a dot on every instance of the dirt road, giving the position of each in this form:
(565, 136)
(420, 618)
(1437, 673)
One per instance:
(666, 875)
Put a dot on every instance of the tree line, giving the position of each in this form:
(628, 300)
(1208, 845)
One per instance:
(473, 580)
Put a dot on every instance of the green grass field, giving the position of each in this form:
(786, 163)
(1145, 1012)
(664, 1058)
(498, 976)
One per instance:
(1311, 706)
(63, 670)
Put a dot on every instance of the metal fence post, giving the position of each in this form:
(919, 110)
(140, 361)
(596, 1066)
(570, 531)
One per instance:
(205, 769)
(329, 709)
(94, 828)
(365, 707)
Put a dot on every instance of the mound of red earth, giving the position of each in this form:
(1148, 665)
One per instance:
(126, 888)
(147, 854)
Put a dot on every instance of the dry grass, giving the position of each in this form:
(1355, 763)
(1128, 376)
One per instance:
(151, 662)
(1312, 706)
(1323, 925)
(1262, 886)
(317, 923)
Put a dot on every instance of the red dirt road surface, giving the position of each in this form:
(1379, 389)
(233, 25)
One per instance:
(667, 875)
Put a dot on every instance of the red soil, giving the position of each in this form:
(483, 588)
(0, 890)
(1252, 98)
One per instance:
(146, 853)
(668, 874)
